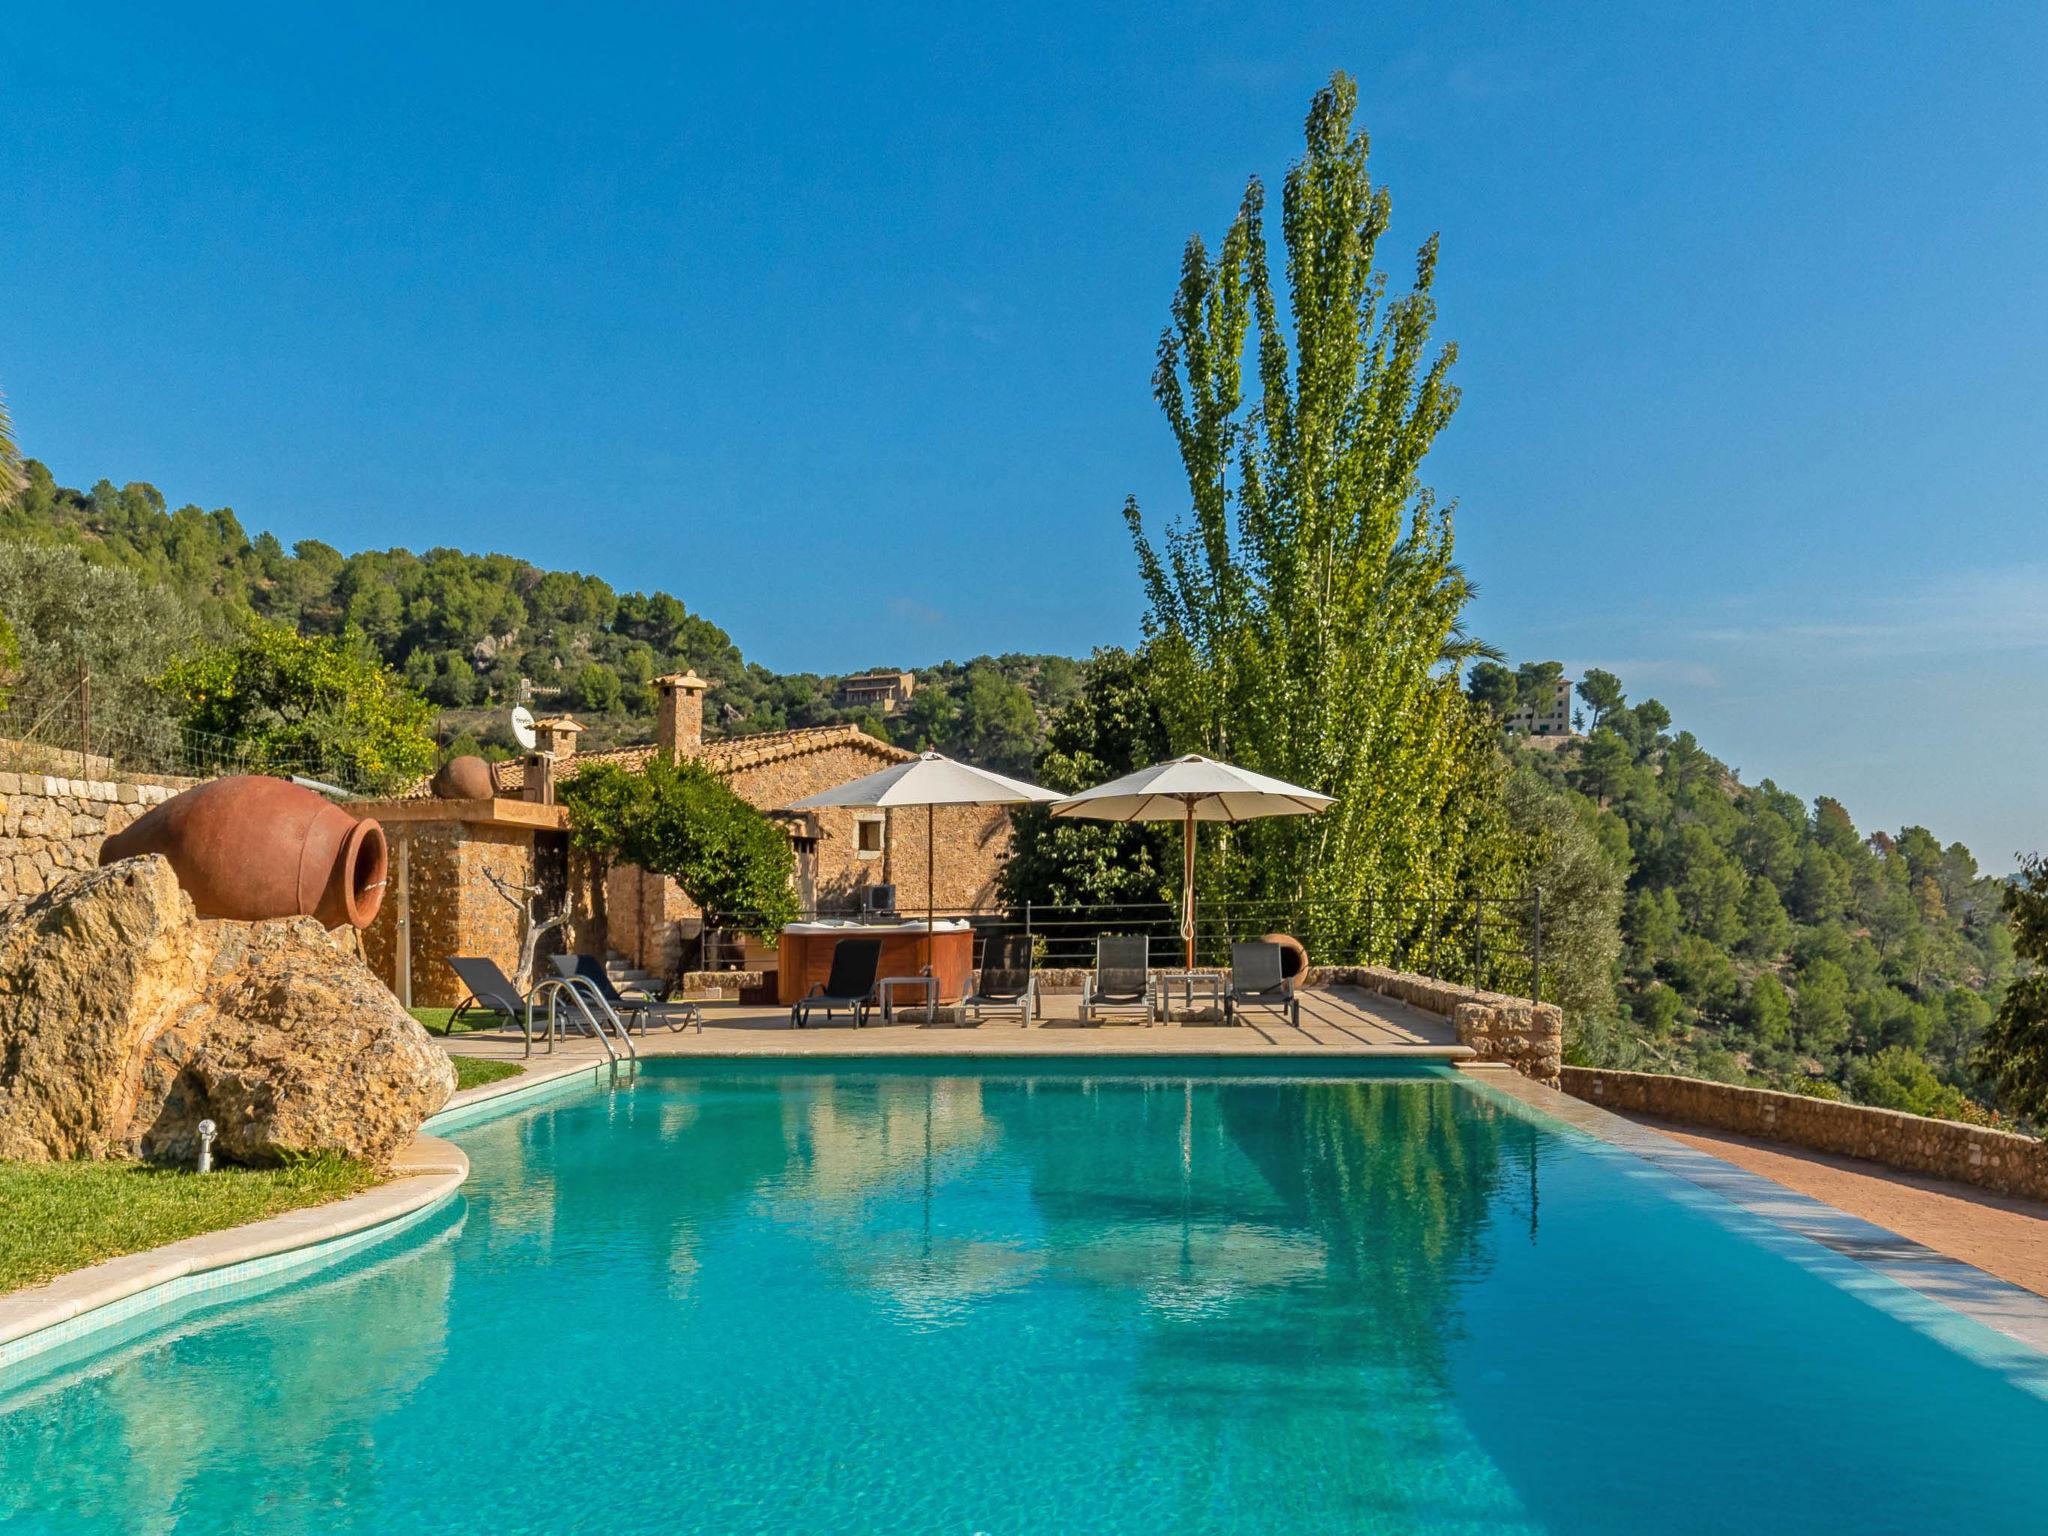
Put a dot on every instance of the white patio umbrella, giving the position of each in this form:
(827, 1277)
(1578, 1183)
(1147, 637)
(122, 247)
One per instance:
(929, 780)
(1191, 789)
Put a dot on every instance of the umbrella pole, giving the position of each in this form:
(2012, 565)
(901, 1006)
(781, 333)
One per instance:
(930, 946)
(1187, 886)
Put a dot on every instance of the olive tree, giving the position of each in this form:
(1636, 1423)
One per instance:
(683, 821)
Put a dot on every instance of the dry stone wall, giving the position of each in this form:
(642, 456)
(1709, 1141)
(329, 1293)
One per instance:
(1943, 1149)
(1527, 1036)
(51, 825)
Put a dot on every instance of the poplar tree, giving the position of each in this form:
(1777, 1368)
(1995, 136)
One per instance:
(1304, 611)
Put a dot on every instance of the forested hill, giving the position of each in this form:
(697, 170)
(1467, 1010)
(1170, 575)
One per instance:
(1765, 939)
(477, 633)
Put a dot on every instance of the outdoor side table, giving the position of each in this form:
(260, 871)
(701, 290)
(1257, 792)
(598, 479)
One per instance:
(1187, 983)
(885, 989)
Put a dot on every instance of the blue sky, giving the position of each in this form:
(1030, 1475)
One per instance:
(839, 323)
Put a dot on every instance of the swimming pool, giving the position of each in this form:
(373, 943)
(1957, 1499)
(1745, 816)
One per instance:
(895, 1297)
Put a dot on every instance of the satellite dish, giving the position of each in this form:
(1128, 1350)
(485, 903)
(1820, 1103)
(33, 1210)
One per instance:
(522, 727)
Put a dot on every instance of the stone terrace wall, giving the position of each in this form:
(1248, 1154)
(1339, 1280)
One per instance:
(1943, 1149)
(1527, 1036)
(50, 825)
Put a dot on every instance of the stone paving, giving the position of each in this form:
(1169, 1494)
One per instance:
(1338, 1022)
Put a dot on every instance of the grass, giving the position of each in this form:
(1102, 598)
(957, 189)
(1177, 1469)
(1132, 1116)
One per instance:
(64, 1216)
(475, 1071)
(436, 1021)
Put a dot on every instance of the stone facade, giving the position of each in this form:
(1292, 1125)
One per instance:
(50, 825)
(441, 892)
(1527, 1036)
(1942, 1149)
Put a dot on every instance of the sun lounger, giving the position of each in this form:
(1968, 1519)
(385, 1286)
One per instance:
(627, 1011)
(1005, 983)
(492, 991)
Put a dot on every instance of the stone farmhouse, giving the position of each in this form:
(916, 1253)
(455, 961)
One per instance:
(886, 691)
(442, 900)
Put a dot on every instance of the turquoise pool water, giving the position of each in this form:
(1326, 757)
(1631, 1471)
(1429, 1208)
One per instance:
(838, 1298)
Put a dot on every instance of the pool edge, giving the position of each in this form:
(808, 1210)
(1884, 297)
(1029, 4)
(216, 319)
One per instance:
(116, 1291)
(1950, 1285)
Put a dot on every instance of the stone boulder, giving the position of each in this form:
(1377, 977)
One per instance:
(125, 1020)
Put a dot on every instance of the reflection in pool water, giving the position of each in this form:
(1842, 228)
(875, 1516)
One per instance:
(859, 1300)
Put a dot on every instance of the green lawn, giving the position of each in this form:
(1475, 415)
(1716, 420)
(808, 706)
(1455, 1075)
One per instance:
(475, 1071)
(64, 1216)
(436, 1021)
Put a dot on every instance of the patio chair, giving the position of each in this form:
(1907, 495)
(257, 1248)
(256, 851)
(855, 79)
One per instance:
(1258, 979)
(1005, 982)
(1122, 977)
(849, 985)
(627, 1012)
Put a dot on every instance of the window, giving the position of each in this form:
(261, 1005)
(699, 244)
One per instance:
(867, 836)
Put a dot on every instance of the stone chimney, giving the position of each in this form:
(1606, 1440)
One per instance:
(557, 737)
(679, 715)
(554, 740)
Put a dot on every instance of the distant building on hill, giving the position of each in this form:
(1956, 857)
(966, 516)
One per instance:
(1550, 715)
(886, 691)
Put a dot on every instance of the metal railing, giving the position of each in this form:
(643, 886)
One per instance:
(1488, 942)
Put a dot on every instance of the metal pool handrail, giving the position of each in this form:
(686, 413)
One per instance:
(554, 990)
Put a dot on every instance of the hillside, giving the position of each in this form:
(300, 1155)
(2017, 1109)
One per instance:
(1767, 940)
(475, 634)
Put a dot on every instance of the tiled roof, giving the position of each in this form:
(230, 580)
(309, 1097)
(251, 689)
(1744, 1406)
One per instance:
(725, 754)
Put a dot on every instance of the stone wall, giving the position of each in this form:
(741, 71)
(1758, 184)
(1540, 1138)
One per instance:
(1527, 1036)
(971, 841)
(51, 825)
(1943, 1149)
(451, 904)
(651, 922)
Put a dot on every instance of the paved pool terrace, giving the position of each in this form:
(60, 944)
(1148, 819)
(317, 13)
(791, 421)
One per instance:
(1335, 1022)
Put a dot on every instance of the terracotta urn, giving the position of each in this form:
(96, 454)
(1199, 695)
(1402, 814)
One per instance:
(253, 848)
(1294, 957)
(464, 778)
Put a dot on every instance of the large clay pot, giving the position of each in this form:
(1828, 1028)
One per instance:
(253, 848)
(1293, 954)
(464, 778)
